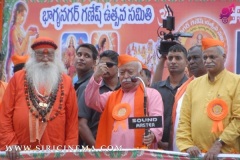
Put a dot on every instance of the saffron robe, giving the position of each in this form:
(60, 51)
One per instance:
(194, 128)
(3, 86)
(14, 117)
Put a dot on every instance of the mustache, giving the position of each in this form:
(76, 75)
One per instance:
(127, 80)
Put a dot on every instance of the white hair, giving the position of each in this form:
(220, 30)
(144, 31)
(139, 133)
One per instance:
(139, 65)
(136, 63)
(44, 74)
(220, 50)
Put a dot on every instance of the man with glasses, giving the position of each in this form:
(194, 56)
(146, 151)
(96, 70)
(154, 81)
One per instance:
(89, 118)
(39, 107)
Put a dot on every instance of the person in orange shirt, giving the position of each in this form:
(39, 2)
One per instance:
(39, 107)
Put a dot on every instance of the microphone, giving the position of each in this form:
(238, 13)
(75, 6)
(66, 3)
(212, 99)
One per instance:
(135, 79)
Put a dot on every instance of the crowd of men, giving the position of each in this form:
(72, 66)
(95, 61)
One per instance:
(200, 111)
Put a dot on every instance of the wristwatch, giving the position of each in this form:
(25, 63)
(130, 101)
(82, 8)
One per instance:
(220, 140)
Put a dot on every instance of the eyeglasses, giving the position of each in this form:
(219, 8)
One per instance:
(110, 64)
(41, 54)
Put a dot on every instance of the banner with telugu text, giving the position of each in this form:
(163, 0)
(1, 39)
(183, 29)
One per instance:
(126, 26)
(113, 153)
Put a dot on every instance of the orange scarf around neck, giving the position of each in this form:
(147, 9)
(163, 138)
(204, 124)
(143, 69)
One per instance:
(178, 95)
(106, 122)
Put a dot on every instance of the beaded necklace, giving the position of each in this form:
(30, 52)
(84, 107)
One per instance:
(42, 106)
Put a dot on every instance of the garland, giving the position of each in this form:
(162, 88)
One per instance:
(41, 106)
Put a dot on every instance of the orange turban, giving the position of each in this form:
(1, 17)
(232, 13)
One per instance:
(43, 42)
(209, 42)
(124, 58)
(16, 59)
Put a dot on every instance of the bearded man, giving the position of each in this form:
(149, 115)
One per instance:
(39, 106)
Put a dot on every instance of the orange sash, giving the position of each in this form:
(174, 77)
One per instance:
(106, 122)
(178, 95)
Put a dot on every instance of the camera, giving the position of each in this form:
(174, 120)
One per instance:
(169, 39)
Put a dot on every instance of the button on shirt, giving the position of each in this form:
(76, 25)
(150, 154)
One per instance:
(80, 86)
(167, 92)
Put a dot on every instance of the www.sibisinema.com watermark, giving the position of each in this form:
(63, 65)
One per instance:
(63, 148)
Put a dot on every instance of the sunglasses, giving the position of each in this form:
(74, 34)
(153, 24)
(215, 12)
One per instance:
(110, 64)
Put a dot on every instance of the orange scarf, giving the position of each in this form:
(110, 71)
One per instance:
(178, 95)
(106, 122)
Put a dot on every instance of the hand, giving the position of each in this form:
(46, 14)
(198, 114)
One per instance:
(100, 70)
(193, 151)
(13, 152)
(163, 145)
(148, 140)
(163, 58)
(32, 31)
(214, 151)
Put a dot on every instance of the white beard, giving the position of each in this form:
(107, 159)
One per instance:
(44, 75)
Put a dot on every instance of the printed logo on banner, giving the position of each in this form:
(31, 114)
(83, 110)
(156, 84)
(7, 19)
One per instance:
(226, 13)
(202, 27)
(232, 11)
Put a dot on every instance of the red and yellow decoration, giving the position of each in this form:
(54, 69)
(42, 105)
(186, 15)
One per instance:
(120, 112)
(217, 110)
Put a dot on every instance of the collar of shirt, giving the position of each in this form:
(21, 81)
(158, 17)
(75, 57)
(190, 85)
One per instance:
(83, 79)
(219, 76)
(167, 82)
